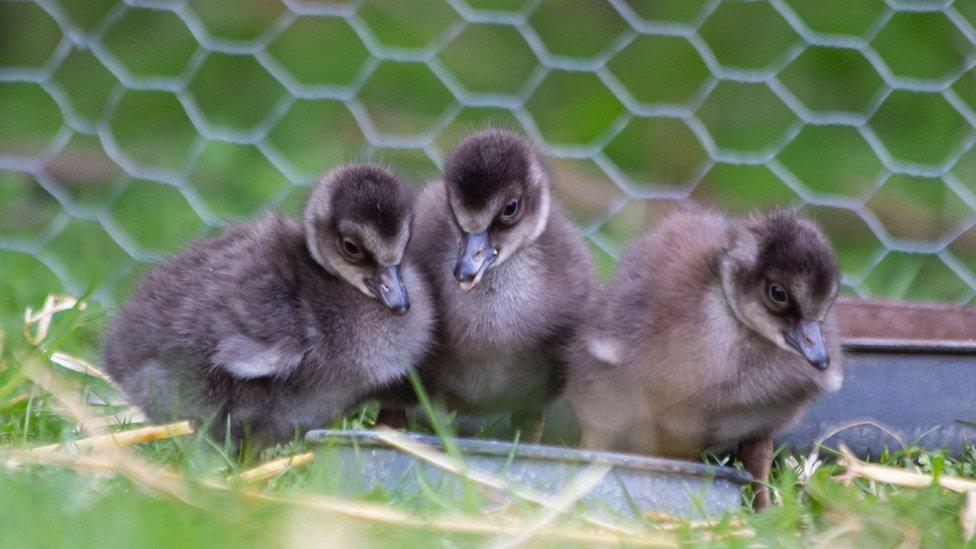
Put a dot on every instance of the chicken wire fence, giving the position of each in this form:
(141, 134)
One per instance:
(129, 128)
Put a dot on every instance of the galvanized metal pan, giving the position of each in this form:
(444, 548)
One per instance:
(634, 484)
(919, 390)
(908, 367)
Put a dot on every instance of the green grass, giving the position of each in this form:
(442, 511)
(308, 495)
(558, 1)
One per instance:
(50, 506)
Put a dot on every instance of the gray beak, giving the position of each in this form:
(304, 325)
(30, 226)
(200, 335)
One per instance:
(388, 286)
(806, 337)
(474, 257)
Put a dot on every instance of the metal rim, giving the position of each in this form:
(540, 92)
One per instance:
(912, 346)
(542, 452)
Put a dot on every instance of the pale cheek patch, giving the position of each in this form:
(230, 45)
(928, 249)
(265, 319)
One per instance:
(312, 242)
(473, 222)
(354, 276)
(542, 216)
(403, 238)
(538, 176)
(468, 221)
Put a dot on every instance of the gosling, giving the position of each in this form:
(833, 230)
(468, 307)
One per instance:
(274, 327)
(510, 274)
(713, 332)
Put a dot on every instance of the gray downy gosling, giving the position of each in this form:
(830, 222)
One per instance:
(275, 327)
(510, 275)
(713, 331)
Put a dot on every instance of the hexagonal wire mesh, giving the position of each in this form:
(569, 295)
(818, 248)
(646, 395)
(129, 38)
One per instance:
(129, 128)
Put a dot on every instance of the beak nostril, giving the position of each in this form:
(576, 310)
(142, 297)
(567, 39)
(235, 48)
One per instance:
(384, 287)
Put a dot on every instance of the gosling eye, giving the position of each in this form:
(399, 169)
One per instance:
(351, 249)
(510, 210)
(778, 294)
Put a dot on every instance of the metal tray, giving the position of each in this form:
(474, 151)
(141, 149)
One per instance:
(920, 390)
(648, 484)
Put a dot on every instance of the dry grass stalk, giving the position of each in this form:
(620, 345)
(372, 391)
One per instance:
(156, 480)
(125, 417)
(122, 439)
(847, 526)
(671, 522)
(15, 400)
(447, 463)
(90, 463)
(967, 517)
(64, 392)
(276, 467)
(485, 526)
(76, 364)
(812, 461)
(835, 537)
(581, 485)
(899, 477)
(52, 305)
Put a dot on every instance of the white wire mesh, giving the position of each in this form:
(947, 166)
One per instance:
(866, 117)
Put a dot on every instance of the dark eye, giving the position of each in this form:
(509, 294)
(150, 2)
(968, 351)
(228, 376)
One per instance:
(510, 209)
(351, 249)
(778, 294)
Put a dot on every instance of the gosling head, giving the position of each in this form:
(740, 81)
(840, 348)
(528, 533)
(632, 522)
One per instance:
(780, 279)
(357, 226)
(498, 192)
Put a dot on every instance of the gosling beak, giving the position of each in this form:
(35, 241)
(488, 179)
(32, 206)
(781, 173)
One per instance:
(474, 257)
(388, 286)
(807, 338)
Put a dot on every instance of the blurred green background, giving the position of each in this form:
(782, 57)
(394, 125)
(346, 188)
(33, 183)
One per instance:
(129, 129)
